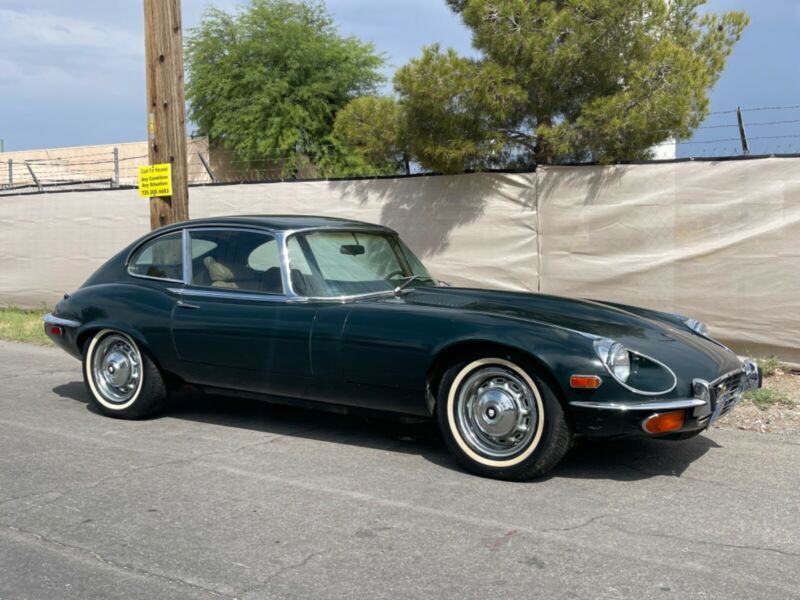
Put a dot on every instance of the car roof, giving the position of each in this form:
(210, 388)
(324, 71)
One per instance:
(281, 223)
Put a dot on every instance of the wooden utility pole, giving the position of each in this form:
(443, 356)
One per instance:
(165, 106)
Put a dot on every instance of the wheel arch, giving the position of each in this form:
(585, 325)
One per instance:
(88, 331)
(446, 356)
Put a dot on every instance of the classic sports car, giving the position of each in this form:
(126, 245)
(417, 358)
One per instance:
(319, 311)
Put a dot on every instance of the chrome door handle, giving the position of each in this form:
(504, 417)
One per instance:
(186, 305)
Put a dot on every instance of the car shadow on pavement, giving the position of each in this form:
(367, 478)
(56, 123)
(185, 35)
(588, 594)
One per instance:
(75, 390)
(632, 459)
(621, 460)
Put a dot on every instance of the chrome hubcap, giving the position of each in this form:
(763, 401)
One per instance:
(116, 367)
(496, 412)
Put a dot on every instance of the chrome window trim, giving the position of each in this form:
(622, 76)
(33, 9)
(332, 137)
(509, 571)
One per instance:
(187, 256)
(286, 275)
(228, 295)
(377, 230)
(135, 251)
(165, 279)
(282, 238)
(51, 319)
(276, 235)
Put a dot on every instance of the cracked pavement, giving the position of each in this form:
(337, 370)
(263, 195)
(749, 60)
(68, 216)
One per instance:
(226, 498)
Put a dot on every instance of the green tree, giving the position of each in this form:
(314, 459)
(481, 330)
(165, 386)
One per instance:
(375, 126)
(455, 108)
(268, 81)
(556, 80)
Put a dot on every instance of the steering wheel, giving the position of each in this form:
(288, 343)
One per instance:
(393, 274)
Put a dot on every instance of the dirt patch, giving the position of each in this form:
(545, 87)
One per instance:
(782, 416)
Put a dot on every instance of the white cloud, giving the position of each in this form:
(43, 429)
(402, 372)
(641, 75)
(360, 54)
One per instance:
(40, 29)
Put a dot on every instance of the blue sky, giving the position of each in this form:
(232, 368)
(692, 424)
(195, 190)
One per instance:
(72, 73)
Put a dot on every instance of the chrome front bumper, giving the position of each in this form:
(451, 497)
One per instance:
(653, 405)
(723, 393)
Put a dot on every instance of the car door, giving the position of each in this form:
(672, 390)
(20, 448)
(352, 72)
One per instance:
(233, 326)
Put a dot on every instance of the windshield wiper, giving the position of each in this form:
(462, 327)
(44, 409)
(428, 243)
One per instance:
(410, 280)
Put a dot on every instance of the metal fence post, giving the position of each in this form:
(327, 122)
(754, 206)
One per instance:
(207, 167)
(115, 183)
(33, 176)
(742, 132)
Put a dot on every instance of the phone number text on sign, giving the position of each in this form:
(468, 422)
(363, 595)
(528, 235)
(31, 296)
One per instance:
(155, 180)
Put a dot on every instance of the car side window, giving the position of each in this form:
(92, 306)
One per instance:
(161, 258)
(265, 256)
(227, 259)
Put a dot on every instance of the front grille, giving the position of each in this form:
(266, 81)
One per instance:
(727, 392)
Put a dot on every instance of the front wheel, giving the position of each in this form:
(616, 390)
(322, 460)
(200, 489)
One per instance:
(501, 419)
(122, 381)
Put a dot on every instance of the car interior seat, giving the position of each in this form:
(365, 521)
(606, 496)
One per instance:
(220, 275)
(272, 282)
(307, 285)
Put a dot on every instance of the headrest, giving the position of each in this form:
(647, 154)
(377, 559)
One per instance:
(216, 270)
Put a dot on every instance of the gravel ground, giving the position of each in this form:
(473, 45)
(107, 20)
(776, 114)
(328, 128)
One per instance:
(774, 419)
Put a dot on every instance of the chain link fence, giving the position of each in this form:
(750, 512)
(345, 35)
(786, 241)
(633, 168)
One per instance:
(739, 133)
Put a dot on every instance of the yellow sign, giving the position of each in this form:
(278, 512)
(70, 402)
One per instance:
(155, 180)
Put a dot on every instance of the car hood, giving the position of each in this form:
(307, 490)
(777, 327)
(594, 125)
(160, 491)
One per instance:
(658, 335)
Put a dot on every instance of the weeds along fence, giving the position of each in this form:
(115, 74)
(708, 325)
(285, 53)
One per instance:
(715, 240)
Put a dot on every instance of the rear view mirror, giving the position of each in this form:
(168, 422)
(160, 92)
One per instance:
(352, 249)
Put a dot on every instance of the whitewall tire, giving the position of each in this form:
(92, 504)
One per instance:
(122, 381)
(500, 418)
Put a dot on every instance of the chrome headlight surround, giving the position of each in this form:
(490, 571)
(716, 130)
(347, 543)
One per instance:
(617, 360)
(615, 357)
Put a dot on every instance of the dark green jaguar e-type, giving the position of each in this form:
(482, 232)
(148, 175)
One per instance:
(321, 312)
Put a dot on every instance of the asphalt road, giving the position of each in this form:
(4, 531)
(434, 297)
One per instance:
(231, 498)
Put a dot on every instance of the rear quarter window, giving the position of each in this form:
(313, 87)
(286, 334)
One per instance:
(161, 258)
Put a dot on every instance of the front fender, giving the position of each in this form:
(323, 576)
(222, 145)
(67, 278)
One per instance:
(561, 352)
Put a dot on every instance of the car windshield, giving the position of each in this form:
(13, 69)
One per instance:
(327, 264)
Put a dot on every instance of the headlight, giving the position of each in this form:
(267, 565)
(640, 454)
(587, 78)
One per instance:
(697, 326)
(615, 357)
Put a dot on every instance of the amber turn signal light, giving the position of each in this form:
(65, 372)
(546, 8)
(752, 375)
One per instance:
(585, 382)
(664, 422)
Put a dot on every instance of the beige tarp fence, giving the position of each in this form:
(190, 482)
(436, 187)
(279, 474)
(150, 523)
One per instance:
(50, 243)
(719, 241)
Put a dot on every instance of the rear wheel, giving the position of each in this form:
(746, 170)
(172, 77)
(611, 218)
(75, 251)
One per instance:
(501, 419)
(122, 381)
